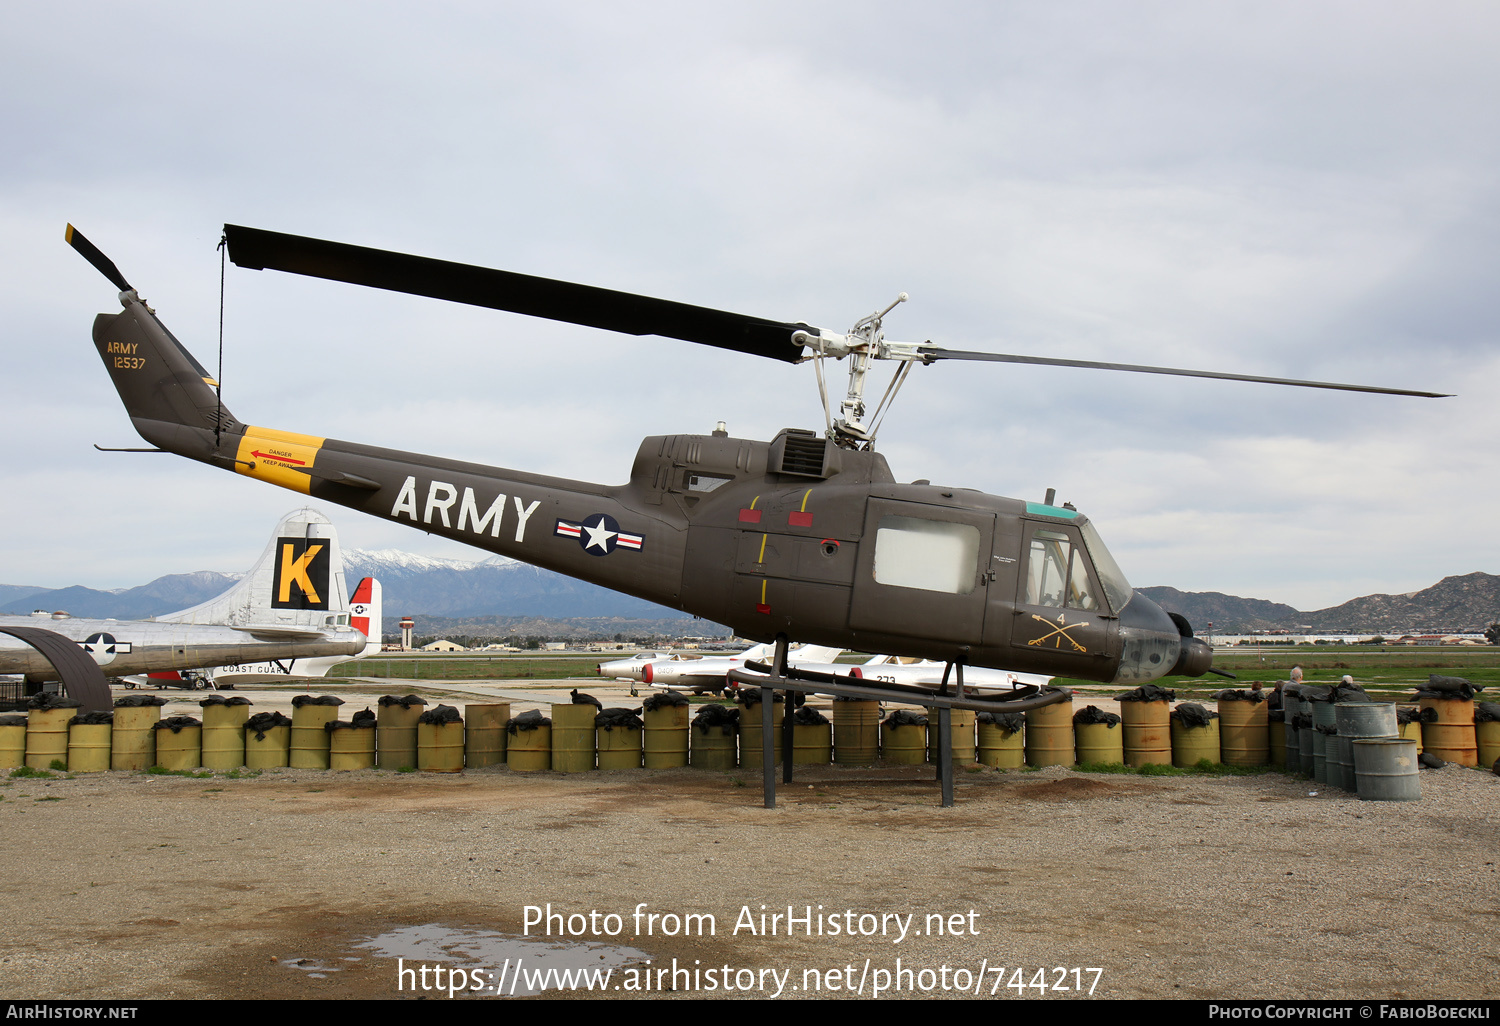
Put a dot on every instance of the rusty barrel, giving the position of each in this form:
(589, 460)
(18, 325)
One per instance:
(1191, 745)
(999, 745)
(1244, 733)
(1148, 735)
(573, 737)
(351, 748)
(12, 741)
(396, 731)
(1451, 736)
(903, 744)
(964, 721)
(132, 743)
(88, 747)
(665, 741)
(812, 744)
(856, 732)
(47, 736)
(440, 747)
(224, 734)
(1049, 735)
(484, 734)
(619, 747)
(179, 746)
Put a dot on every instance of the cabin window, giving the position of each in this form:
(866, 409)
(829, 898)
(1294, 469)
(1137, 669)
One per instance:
(1057, 573)
(931, 555)
(704, 482)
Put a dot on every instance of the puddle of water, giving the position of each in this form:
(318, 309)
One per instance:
(506, 964)
(311, 966)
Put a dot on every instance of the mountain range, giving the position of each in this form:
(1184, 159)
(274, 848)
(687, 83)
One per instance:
(1464, 603)
(511, 597)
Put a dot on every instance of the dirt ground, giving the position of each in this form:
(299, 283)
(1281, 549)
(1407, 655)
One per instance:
(302, 884)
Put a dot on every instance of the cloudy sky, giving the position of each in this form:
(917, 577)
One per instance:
(1289, 189)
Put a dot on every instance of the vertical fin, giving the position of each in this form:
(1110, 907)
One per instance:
(365, 609)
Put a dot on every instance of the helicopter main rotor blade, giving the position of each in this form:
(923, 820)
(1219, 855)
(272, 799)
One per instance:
(933, 353)
(518, 293)
(91, 253)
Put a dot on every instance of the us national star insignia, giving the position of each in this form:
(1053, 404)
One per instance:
(599, 534)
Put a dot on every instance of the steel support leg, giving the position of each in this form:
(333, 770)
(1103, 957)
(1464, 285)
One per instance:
(945, 754)
(768, 747)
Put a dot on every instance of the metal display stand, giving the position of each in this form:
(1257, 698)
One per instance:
(777, 676)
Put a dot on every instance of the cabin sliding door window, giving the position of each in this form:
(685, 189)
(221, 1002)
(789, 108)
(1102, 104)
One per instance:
(931, 555)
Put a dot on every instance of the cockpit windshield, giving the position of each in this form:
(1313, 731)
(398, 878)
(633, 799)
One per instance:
(1115, 586)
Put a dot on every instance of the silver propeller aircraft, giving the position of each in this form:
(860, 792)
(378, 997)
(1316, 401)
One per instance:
(290, 606)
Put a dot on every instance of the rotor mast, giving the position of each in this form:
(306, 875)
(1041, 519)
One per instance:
(855, 427)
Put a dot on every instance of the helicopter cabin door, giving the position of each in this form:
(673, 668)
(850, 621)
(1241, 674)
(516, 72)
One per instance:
(920, 572)
(1063, 623)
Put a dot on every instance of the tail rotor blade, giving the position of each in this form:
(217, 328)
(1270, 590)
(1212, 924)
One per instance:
(507, 290)
(933, 353)
(91, 253)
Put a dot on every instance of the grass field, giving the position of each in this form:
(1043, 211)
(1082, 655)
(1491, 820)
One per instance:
(1390, 670)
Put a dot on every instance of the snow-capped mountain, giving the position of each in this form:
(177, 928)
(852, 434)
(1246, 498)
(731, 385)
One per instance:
(421, 585)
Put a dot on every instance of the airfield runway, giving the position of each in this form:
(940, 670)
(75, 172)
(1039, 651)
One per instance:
(306, 884)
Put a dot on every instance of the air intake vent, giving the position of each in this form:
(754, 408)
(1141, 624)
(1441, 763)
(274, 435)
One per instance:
(799, 452)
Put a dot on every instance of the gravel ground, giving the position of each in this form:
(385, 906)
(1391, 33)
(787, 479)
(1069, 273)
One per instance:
(133, 886)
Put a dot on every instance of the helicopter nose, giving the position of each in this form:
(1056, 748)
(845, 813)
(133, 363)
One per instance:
(1151, 644)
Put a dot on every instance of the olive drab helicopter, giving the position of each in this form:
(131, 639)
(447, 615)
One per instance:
(806, 537)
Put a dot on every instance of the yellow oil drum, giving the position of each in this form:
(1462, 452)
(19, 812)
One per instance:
(1451, 737)
(527, 751)
(440, 747)
(619, 747)
(1148, 735)
(484, 734)
(750, 733)
(903, 744)
(666, 736)
(1099, 743)
(1244, 733)
(573, 737)
(351, 747)
(1192, 744)
(1487, 737)
(396, 736)
(12, 742)
(310, 714)
(1049, 735)
(713, 747)
(856, 732)
(812, 743)
(999, 746)
(179, 743)
(224, 732)
(47, 736)
(132, 743)
(88, 742)
(268, 739)
(964, 721)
